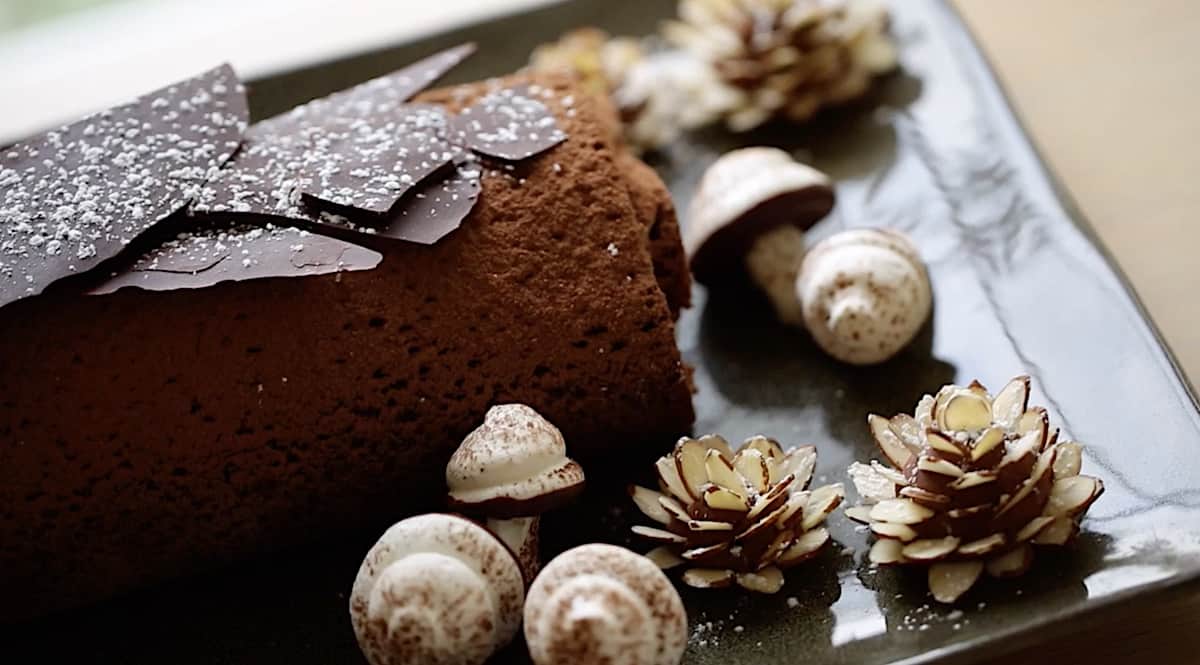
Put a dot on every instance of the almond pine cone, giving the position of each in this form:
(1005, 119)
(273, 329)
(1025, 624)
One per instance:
(741, 516)
(788, 58)
(975, 483)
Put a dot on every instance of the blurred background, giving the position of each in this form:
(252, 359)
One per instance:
(1107, 88)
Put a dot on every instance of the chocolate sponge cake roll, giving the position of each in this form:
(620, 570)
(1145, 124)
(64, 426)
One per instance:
(146, 434)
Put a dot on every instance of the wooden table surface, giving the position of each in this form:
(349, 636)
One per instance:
(1108, 89)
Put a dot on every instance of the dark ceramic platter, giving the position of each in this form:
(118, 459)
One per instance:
(1021, 286)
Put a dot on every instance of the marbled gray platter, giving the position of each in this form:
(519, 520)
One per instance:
(1021, 286)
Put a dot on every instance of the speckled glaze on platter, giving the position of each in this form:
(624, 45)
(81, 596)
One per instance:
(1021, 286)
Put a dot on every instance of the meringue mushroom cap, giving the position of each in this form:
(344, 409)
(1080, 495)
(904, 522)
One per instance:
(742, 196)
(513, 465)
(865, 294)
(428, 573)
(601, 600)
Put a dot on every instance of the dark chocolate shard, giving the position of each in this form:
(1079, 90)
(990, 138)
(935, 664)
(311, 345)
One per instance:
(368, 165)
(73, 197)
(360, 148)
(428, 213)
(201, 258)
(509, 123)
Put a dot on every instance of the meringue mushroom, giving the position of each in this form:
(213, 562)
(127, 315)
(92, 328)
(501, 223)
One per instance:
(747, 221)
(604, 604)
(865, 294)
(430, 573)
(511, 469)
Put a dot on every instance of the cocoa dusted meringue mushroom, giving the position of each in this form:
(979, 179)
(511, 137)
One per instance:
(974, 483)
(428, 574)
(747, 220)
(598, 604)
(510, 470)
(865, 294)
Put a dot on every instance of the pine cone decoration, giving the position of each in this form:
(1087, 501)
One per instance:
(975, 483)
(736, 517)
(658, 94)
(787, 58)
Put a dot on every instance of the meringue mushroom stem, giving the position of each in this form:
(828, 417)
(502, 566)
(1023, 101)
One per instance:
(773, 263)
(520, 534)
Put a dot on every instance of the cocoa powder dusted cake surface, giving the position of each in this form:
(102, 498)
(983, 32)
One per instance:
(146, 434)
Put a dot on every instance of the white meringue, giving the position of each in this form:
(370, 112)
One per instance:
(513, 465)
(430, 573)
(604, 604)
(865, 294)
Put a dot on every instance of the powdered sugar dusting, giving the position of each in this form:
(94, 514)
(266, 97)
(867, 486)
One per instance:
(239, 252)
(509, 123)
(75, 196)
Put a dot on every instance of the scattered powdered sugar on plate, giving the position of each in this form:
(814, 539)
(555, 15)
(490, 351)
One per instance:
(74, 196)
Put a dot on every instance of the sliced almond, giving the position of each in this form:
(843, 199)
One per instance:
(1035, 420)
(659, 535)
(781, 542)
(886, 551)
(1038, 478)
(719, 444)
(1059, 532)
(752, 465)
(860, 514)
(900, 511)
(1019, 459)
(925, 497)
(986, 442)
(754, 532)
(805, 547)
(689, 460)
(939, 466)
(966, 411)
(722, 474)
(708, 578)
(930, 549)
(910, 432)
(1072, 495)
(772, 500)
(668, 478)
(767, 580)
(665, 558)
(1033, 528)
(972, 479)
(647, 501)
(1013, 563)
(674, 508)
(870, 484)
(1011, 402)
(1069, 459)
(889, 473)
(889, 444)
(898, 531)
(710, 555)
(924, 412)
(708, 525)
(948, 581)
(982, 546)
(793, 510)
(767, 446)
(720, 498)
(943, 446)
(821, 502)
(799, 462)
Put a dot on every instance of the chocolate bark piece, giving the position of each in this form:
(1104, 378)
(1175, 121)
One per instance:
(509, 123)
(74, 196)
(361, 148)
(428, 212)
(150, 434)
(209, 256)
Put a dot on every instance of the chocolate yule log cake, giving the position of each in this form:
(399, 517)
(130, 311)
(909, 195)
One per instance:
(223, 338)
